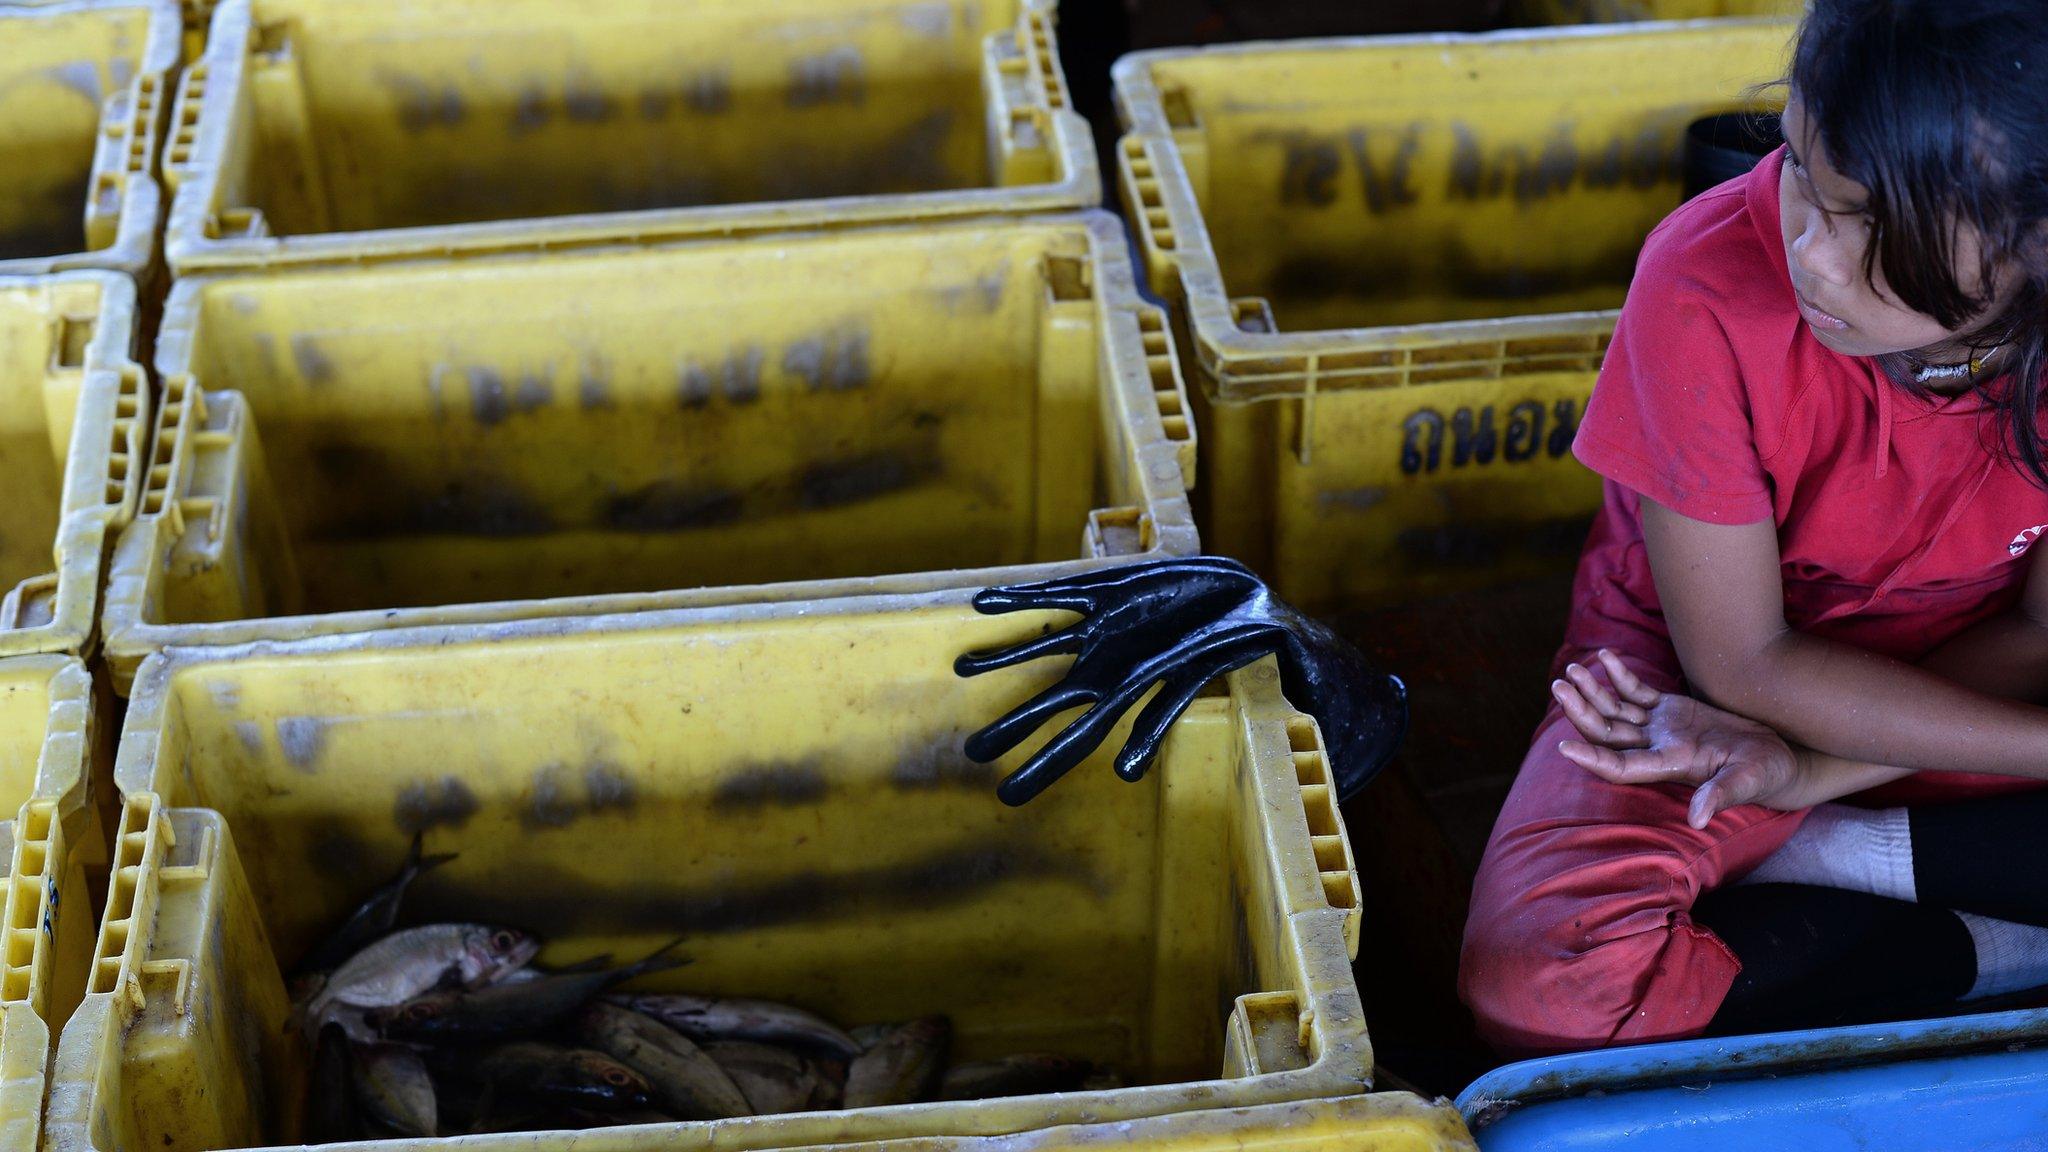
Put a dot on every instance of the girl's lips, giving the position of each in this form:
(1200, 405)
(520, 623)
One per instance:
(1818, 318)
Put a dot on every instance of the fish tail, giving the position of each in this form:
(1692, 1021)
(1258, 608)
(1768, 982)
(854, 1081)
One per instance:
(658, 960)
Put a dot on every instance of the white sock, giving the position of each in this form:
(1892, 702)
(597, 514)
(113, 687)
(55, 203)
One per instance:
(1839, 846)
(2010, 957)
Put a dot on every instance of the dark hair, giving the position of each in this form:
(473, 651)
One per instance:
(1940, 109)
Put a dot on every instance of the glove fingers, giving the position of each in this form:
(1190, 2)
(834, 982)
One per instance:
(1071, 745)
(996, 740)
(1150, 729)
(1024, 598)
(1065, 640)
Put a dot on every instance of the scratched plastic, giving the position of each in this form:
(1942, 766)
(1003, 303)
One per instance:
(1410, 250)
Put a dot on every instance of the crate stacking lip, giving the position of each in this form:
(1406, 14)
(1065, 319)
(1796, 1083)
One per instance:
(1394, 263)
(796, 417)
(329, 131)
(1964, 1083)
(613, 782)
(73, 421)
(50, 841)
(83, 94)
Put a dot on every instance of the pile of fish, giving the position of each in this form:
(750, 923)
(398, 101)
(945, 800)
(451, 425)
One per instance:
(443, 1029)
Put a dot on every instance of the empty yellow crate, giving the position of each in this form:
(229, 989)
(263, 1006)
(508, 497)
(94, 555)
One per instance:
(73, 418)
(82, 96)
(1395, 263)
(332, 130)
(47, 741)
(764, 419)
(782, 787)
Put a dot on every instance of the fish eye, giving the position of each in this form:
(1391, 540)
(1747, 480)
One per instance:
(503, 941)
(617, 1077)
(422, 1012)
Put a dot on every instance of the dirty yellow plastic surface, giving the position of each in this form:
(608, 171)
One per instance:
(331, 130)
(1395, 264)
(82, 101)
(1380, 1122)
(73, 419)
(1615, 11)
(780, 784)
(47, 738)
(765, 419)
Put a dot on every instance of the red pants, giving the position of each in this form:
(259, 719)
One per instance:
(1581, 934)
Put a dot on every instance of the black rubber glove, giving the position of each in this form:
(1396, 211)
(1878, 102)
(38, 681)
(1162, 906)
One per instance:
(1178, 624)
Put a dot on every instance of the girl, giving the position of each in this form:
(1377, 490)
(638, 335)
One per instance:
(1819, 425)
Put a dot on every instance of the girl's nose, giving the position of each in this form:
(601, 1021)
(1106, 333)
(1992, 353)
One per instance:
(1825, 253)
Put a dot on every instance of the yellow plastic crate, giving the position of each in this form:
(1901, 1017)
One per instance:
(73, 418)
(337, 131)
(47, 739)
(713, 423)
(613, 783)
(1617, 11)
(1395, 264)
(82, 97)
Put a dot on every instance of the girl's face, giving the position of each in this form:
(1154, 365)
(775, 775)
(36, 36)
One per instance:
(1827, 230)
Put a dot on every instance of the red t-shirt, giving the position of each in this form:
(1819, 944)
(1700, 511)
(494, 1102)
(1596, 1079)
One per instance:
(1900, 520)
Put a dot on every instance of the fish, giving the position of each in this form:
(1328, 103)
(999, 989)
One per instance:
(331, 1110)
(533, 1075)
(774, 1080)
(867, 1035)
(394, 1089)
(406, 964)
(904, 1067)
(686, 1082)
(732, 1018)
(1025, 1074)
(374, 917)
(506, 1010)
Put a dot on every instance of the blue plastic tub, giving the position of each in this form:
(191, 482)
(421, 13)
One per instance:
(1966, 1082)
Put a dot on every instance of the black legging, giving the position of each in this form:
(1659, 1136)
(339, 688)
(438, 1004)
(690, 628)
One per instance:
(1814, 957)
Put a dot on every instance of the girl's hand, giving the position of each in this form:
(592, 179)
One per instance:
(1635, 734)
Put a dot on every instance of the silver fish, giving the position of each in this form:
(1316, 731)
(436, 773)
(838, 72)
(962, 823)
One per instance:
(774, 1080)
(407, 964)
(1025, 1074)
(394, 1089)
(686, 1082)
(732, 1018)
(903, 1067)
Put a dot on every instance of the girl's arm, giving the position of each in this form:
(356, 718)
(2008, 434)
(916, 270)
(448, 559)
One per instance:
(1724, 603)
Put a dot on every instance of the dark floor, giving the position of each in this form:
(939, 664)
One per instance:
(1477, 667)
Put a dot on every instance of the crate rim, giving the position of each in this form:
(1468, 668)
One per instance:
(189, 250)
(1201, 292)
(87, 521)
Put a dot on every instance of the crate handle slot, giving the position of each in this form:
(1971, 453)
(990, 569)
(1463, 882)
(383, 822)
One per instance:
(31, 906)
(141, 843)
(1145, 207)
(128, 446)
(1169, 389)
(185, 113)
(1123, 531)
(1329, 842)
(177, 463)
